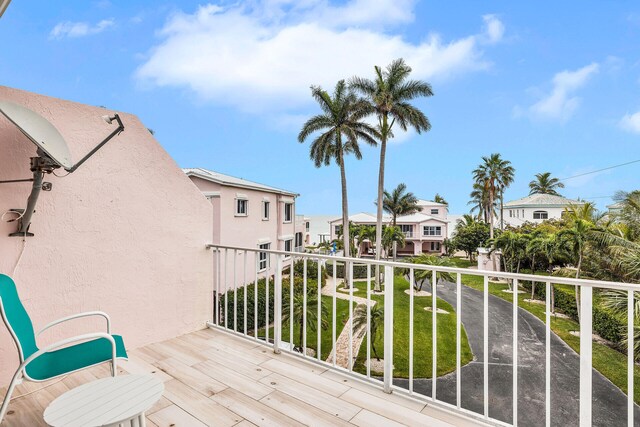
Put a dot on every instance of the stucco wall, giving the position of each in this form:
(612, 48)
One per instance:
(125, 233)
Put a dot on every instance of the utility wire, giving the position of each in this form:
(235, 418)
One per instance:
(600, 170)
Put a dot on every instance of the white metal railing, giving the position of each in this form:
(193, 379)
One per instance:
(231, 266)
(408, 234)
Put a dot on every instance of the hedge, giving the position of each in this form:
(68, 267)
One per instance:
(605, 323)
(359, 270)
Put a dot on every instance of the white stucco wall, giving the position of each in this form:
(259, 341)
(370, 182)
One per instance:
(124, 234)
(521, 215)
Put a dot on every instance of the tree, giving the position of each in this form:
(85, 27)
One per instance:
(376, 320)
(389, 96)
(535, 249)
(494, 174)
(312, 313)
(397, 203)
(421, 276)
(342, 127)
(439, 199)
(391, 237)
(576, 239)
(466, 220)
(480, 202)
(545, 184)
(469, 238)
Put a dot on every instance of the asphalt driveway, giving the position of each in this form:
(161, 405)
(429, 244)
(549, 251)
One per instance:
(609, 403)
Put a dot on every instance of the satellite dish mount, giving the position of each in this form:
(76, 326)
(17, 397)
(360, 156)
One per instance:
(52, 153)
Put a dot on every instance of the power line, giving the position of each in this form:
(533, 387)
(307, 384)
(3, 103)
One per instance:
(600, 170)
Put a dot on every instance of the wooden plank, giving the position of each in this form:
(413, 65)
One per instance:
(301, 411)
(245, 423)
(369, 419)
(137, 365)
(242, 366)
(306, 375)
(369, 388)
(221, 349)
(393, 411)
(252, 410)
(162, 403)
(308, 394)
(176, 349)
(204, 409)
(174, 416)
(195, 379)
(448, 417)
(233, 379)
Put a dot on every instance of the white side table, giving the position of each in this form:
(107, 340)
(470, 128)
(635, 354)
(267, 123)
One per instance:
(106, 402)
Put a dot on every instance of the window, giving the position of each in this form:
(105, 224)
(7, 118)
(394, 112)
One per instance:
(407, 229)
(510, 213)
(265, 210)
(338, 230)
(263, 257)
(242, 207)
(522, 213)
(307, 226)
(435, 246)
(288, 212)
(288, 247)
(430, 230)
(298, 239)
(434, 211)
(540, 215)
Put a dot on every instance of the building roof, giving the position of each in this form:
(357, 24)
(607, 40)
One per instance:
(422, 202)
(364, 218)
(542, 200)
(233, 181)
(617, 205)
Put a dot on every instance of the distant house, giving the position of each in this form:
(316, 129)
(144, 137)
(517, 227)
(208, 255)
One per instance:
(536, 208)
(424, 231)
(615, 208)
(252, 215)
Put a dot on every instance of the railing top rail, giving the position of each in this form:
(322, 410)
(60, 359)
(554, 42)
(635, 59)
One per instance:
(500, 274)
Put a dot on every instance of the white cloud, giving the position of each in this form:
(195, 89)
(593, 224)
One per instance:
(79, 29)
(560, 104)
(264, 57)
(631, 122)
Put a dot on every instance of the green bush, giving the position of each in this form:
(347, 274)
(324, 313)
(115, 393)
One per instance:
(359, 270)
(312, 270)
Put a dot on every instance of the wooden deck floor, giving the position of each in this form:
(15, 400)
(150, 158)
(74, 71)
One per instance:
(215, 379)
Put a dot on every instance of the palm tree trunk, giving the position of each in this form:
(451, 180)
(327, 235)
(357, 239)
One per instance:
(578, 287)
(383, 149)
(345, 219)
(533, 272)
(302, 345)
(491, 196)
(501, 208)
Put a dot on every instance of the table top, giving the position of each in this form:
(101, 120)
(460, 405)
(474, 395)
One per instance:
(105, 401)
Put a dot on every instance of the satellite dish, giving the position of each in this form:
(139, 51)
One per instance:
(40, 131)
(52, 153)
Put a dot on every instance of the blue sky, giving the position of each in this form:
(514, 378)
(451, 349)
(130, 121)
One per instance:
(225, 85)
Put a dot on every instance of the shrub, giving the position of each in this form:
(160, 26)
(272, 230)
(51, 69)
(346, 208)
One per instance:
(312, 271)
(359, 270)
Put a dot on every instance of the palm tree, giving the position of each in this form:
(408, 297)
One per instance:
(399, 202)
(376, 320)
(389, 95)
(494, 174)
(312, 313)
(535, 248)
(420, 276)
(439, 199)
(576, 239)
(342, 126)
(480, 202)
(391, 237)
(545, 184)
(466, 220)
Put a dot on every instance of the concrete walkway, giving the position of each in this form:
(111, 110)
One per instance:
(609, 403)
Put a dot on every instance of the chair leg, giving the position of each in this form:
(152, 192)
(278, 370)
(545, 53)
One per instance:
(7, 397)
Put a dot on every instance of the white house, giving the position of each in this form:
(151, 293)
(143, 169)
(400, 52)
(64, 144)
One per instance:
(536, 208)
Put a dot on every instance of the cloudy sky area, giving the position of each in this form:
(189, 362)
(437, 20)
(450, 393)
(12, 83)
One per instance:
(225, 85)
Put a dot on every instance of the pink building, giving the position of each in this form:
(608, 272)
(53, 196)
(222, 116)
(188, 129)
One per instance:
(106, 237)
(252, 215)
(424, 231)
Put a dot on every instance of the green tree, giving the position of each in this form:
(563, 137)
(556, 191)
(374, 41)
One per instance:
(544, 183)
(376, 320)
(480, 202)
(390, 94)
(391, 237)
(439, 199)
(397, 203)
(494, 174)
(422, 276)
(311, 314)
(342, 127)
(576, 239)
(469, 238)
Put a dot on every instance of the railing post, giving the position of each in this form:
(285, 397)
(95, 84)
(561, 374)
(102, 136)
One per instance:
(388, 328)
(586, 347)
(277, 306)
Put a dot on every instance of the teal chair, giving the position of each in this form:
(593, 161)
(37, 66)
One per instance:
(60, 358)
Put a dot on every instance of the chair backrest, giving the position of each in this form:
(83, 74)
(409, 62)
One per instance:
(16, 318)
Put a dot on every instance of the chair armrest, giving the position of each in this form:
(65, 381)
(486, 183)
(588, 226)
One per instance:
(68, 341)
(77, 316)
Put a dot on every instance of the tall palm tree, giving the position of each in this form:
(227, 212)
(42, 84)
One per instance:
(480, 202)
(507, 179)
(466, 220)
(399, 202)
(342, 127)
(376, 320)
(389, 95)
(391, 237)
(545, 184)
(311, 315)
(576, 239)
(439, 199)
(494, 174)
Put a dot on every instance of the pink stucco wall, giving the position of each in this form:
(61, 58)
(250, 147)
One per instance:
(125, 233)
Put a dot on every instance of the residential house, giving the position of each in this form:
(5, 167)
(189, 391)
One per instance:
(424, 231)
(253, 215)
(536, 208)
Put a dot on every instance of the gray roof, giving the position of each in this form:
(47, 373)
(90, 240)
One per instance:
(540, 200)
(233, 181)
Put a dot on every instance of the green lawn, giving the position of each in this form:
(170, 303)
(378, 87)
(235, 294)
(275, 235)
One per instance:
(326, 335)
(609, 362)
(422, 337)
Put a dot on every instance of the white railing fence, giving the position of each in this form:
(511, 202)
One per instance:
(285, 307)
